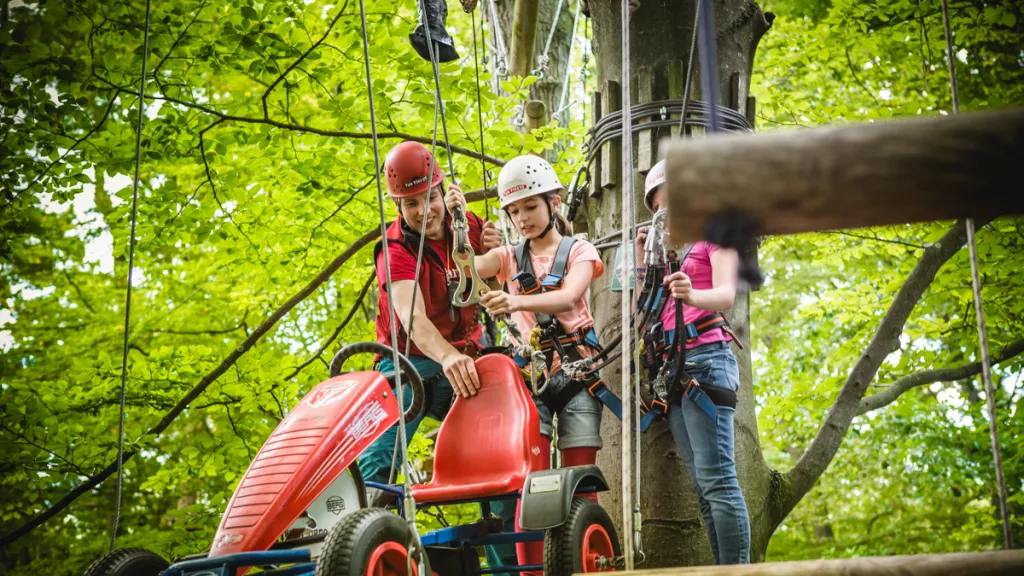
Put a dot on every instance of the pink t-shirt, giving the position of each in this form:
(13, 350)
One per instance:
(573, 320)
(697, 266)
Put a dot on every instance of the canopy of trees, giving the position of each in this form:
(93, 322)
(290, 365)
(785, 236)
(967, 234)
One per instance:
(257, 207)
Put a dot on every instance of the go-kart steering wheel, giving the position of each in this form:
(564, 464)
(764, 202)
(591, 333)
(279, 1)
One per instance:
(409, 373)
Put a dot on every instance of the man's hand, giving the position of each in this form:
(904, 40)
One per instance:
(490, 238)
(499, 302)
(680, 287)
(454, 198)
(461, 372)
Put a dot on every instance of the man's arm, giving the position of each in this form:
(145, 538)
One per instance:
(459, 368)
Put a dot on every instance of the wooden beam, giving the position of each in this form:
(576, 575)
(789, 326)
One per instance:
(536, 115)
(646, 146)
(1008, 562)
(864, 175)
(611, 152)
(524, 36)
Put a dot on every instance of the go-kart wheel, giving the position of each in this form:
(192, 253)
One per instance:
(370, 542)
(578, 545)
(128, 562)
(409, 374)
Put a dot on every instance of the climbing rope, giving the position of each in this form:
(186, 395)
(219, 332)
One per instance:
(543, 59)
(409, 501)
(480, 115)
(501, 69)
(689, 71)
(708, 58)
(628, 202)
(128, 291)
(986, 361)
(562, 106)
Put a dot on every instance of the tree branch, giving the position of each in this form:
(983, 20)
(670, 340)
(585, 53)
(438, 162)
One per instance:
(797, 481)
(99, 124)
(199, 388)
(314, 46)
(348, 317)
(925, 377)
(322, 132)
(25, 439)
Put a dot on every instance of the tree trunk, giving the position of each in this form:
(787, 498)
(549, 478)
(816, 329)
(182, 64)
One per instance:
(548, 89)
(673, 534)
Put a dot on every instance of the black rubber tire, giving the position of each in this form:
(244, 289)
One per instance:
(409, 373)
(563, 545)
(351, 542)
(128, 562)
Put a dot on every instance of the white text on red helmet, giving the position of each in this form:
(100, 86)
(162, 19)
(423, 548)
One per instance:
(514, 189)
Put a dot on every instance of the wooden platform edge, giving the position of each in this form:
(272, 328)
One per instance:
(999, 563)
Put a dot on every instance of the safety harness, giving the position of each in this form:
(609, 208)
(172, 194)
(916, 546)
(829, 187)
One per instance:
(663, 351)
(551, 336)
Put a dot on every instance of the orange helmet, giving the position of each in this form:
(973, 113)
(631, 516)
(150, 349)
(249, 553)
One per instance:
(407, 166)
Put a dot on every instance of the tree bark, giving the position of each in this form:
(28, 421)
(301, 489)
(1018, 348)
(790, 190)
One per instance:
(524, 35)
(673, 534)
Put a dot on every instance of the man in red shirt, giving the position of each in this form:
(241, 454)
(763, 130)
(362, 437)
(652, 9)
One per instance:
(444, 338)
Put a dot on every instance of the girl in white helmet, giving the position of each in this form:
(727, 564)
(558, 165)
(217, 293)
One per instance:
(548, 277)
(704, 287)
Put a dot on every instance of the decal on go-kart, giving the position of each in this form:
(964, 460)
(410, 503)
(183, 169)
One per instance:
(301, 467)
(339, 500)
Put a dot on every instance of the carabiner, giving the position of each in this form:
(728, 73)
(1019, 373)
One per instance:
(463, 257)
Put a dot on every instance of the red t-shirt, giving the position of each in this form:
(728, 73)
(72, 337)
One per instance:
(459, 326)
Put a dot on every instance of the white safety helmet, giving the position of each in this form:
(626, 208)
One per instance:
(526, 176)
(655, 178)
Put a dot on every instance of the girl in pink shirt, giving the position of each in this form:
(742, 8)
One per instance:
(704, 287)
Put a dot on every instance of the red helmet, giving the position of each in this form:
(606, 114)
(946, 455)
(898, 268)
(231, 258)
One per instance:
(407, 166)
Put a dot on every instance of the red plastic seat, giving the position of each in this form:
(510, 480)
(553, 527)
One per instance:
(489, 443)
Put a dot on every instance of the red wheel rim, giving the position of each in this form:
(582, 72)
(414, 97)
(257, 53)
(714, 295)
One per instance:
(596, 545)
(389, 559)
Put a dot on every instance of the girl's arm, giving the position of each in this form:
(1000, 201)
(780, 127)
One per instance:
(574, 286)
(724, 264)
(487, 264)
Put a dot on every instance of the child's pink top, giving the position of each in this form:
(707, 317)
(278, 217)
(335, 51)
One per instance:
(573, 320)
(697, 266)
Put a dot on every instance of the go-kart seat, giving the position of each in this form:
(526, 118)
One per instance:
(488, 443)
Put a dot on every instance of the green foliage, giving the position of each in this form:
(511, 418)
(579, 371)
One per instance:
(922, 466)
(257, 170)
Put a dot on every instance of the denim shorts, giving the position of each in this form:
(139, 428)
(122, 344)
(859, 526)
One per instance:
(579, 423)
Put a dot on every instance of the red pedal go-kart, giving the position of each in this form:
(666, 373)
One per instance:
(301, 508)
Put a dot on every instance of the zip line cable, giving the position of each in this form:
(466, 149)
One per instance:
(986, 360)
(128, 291)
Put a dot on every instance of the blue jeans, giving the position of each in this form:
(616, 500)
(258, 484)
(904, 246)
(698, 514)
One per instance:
(375, 461)
(707, 450)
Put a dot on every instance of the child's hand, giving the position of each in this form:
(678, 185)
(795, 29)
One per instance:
(680, 286)
(489, 237)
(498, 302)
